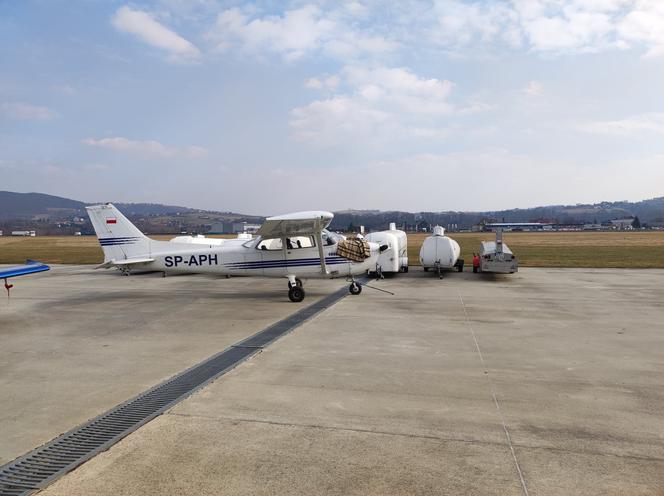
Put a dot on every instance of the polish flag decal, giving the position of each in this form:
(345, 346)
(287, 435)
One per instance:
(111, 220)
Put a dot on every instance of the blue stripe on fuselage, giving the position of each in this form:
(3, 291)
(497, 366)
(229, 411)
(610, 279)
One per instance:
(292, 260)
(279, 264)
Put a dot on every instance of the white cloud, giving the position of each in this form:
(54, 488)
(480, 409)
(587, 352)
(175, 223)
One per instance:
(148, 148)
(337, 119)
(147, 29)
(460, 23)
(645, 24)
(26, 111)
(329, 83)
(297, 33)
(377, 104)
(533, 89)
(552, 26)
(293, 35)
(631, 126)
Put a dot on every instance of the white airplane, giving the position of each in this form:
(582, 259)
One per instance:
(294, 246)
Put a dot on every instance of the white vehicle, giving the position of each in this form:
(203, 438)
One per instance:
(496, 257)
(395, 257)
(440, 253)
(294, 246)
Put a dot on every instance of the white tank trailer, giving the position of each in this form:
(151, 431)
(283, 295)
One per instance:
(440, 253)
(395, 258)
(496, 257)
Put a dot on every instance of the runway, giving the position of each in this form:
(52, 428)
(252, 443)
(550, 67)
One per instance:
(544, 382)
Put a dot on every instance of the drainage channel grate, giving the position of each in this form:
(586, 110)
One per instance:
(40, 467)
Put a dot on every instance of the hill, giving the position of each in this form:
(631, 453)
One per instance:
(27, 205)
(50, 215)
(649, 211)
(55, 215)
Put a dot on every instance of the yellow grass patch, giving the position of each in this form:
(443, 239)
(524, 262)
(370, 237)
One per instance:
(553, 249)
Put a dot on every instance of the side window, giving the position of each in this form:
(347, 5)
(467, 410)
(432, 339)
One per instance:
(295, 242)
(269, 244)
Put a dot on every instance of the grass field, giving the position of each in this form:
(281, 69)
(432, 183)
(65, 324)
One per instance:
(553, 249)
(566, 249)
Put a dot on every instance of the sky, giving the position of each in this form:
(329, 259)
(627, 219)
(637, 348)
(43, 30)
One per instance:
(270, 107)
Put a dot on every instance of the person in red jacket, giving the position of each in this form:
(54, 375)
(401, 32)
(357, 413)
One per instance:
(476, 262)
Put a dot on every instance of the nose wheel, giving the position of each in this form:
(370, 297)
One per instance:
(295, 289)
(355, 288)
(296, 294)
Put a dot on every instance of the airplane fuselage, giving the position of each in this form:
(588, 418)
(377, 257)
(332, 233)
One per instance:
(242, 258)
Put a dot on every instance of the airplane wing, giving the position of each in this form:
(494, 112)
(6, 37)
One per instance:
(295, 224)
(30, 267)
(120, 263)
(299, 224)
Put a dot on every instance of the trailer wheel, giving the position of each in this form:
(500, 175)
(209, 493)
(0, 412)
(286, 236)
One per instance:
(296, 294)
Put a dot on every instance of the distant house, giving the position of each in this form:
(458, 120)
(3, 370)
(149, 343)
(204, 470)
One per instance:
(622, 224)
(517, 226)
(221, 228)
(245, 227)
(233, 228)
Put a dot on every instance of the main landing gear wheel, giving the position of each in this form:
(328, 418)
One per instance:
(298, 283)
(296, 294)
(355, 288)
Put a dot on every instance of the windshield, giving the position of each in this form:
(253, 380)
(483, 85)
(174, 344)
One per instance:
(331, 238)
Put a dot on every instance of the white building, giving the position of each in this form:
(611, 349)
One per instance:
(622, 223)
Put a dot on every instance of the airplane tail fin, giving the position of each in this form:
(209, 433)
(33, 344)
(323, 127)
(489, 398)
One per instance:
(119, 238)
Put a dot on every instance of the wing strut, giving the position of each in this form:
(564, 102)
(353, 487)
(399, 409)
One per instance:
(321, 253)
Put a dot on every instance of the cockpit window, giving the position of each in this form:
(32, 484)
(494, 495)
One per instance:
(295, 242)
(270, 244)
